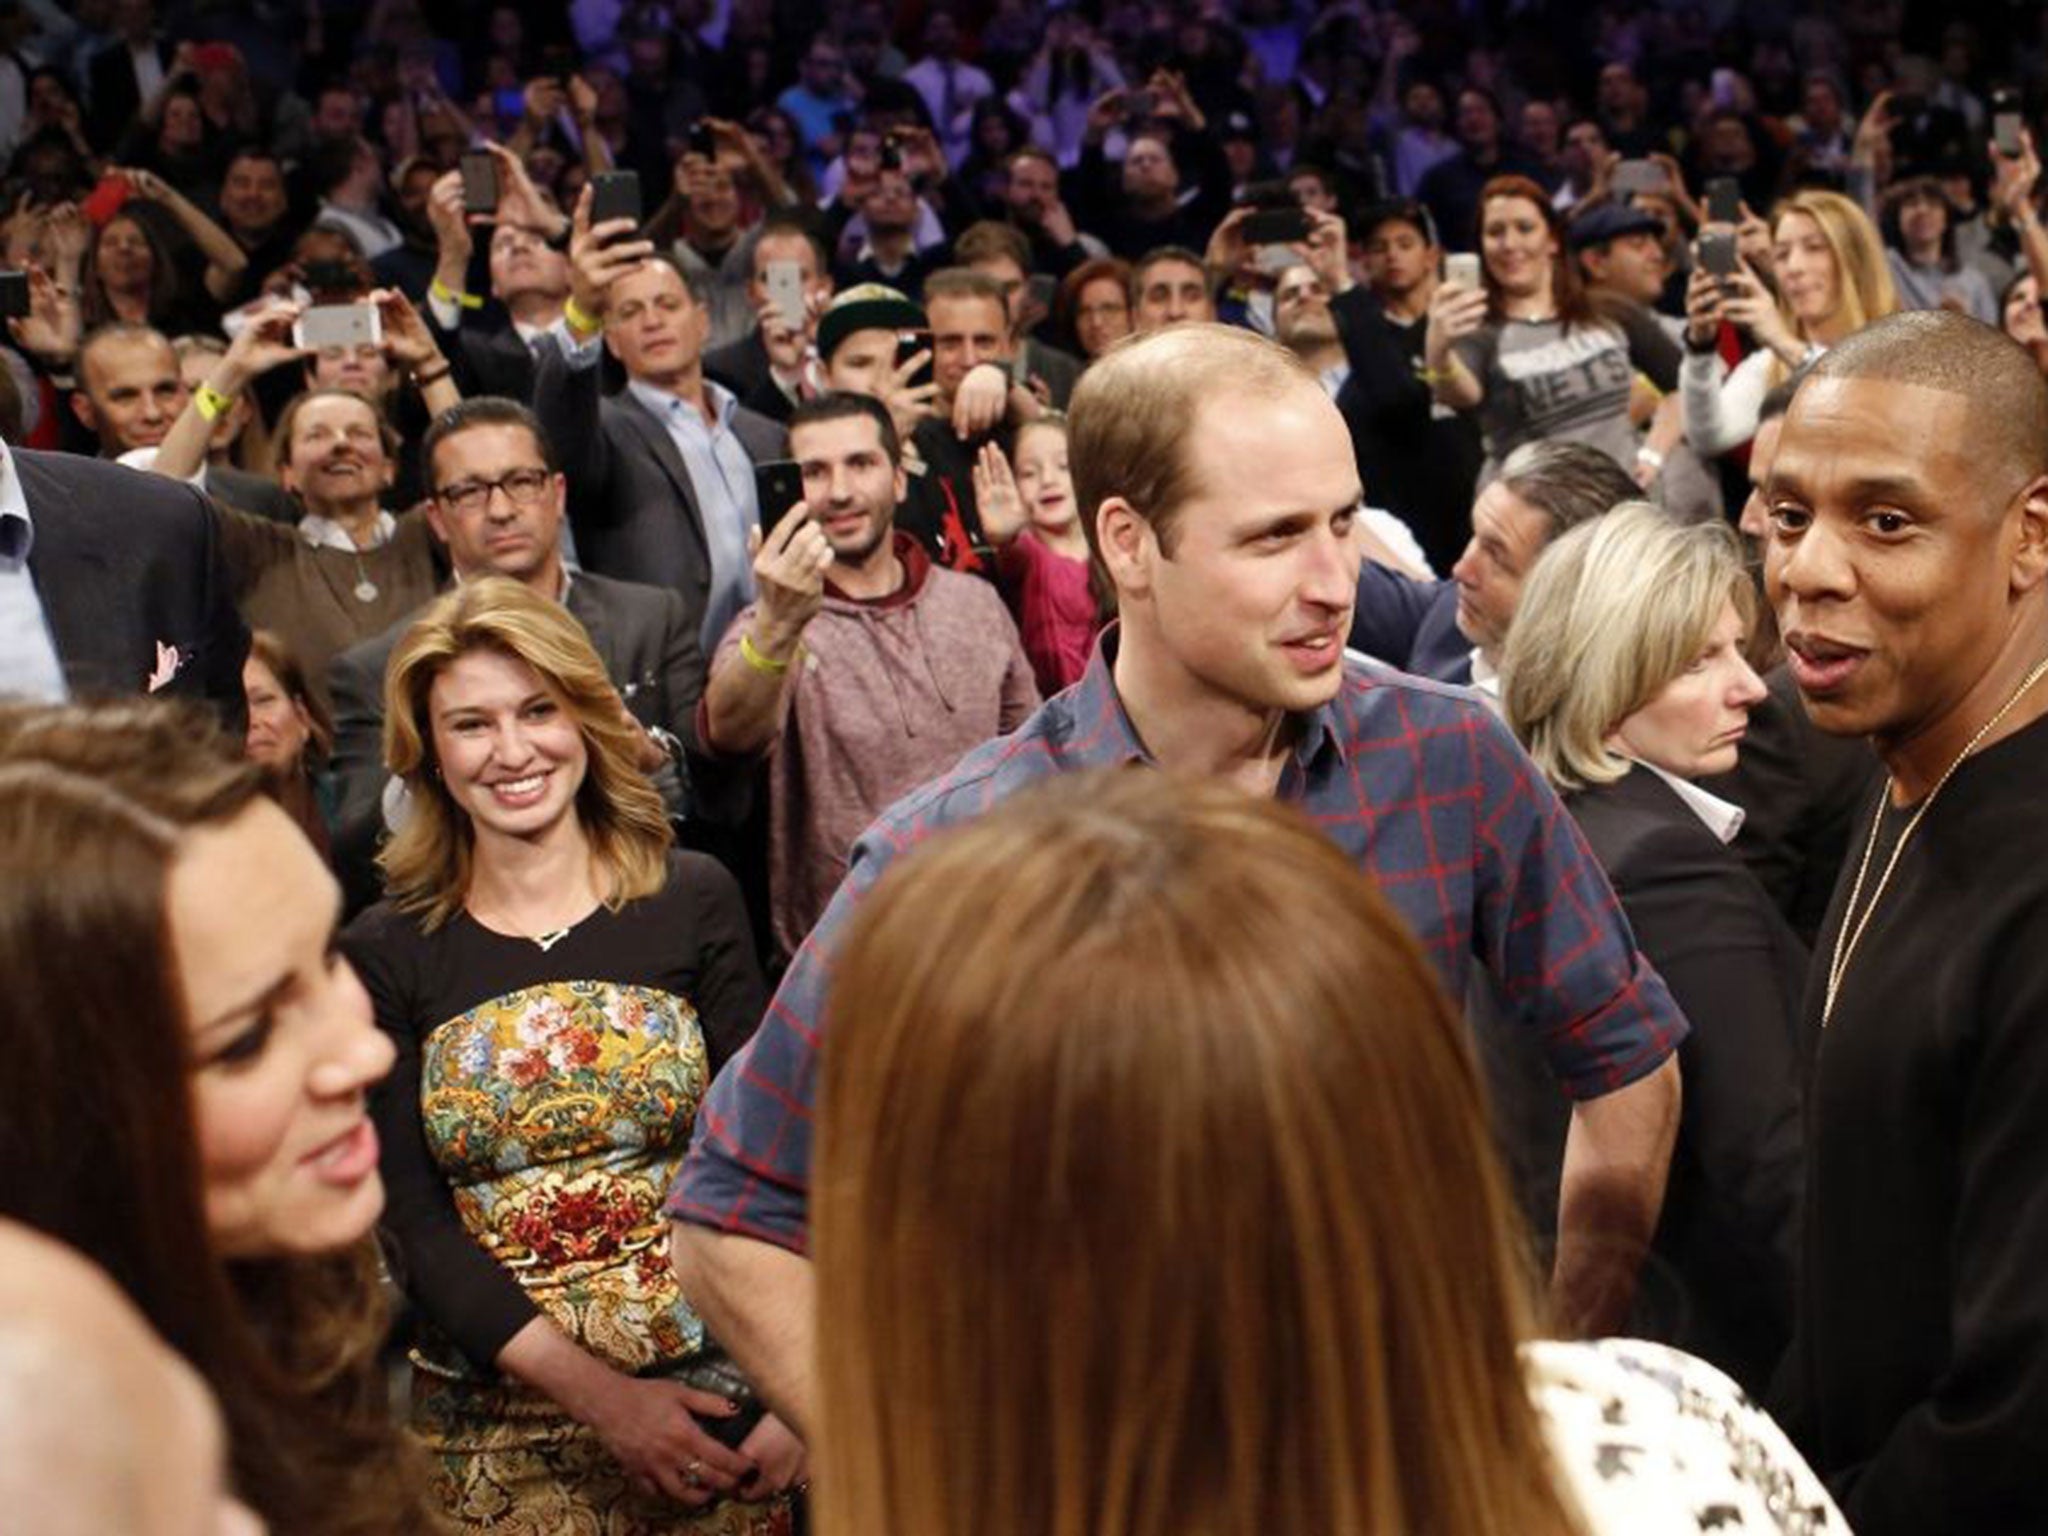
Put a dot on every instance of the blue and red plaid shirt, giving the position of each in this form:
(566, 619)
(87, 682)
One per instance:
(1419, 782)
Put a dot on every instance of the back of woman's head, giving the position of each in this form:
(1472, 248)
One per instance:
(1155, 1195)
(427, 863)
(1612, 613)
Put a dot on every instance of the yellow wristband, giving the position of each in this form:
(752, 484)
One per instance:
(441, 290)
(580, 319)
(211, 402)
(751, 655)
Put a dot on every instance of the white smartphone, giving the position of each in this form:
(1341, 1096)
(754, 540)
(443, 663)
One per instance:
(1462, 268)
(338, 325)
(784, 282)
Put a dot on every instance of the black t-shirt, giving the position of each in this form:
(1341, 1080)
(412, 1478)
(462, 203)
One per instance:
(1918, 1380)
(1417, 459)
(682, 958)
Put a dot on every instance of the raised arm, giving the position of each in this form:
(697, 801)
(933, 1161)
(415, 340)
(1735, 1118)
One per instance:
(264, 343)
(225, 260)
(1455, 313)
(747, 698)
(1552, 935)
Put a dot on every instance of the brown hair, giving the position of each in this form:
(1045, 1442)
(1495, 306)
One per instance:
(991, 240)
(1131, 421)
(1066, 305)
(964, 283)
(1167, 1204)
(98, 1150)
(296, 792)
(428, 862)
(1567, 293)
(288, 420)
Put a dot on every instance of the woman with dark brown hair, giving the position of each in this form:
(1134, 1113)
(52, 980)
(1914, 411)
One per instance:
(184, 1094)
(562, 984)
(1525, 349)
(1167, 1203)
(290, 734)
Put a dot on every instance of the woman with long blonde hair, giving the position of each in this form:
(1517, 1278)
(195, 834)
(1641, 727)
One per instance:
(561, 983)
(1155, 1196)
(1831, 277)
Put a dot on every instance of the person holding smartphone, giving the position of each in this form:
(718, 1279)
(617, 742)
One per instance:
(1831, 279)
(1525, 350)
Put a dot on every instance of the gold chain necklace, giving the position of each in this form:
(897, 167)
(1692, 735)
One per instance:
(1846, 940)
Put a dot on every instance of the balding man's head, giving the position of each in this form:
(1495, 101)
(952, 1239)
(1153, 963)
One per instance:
(106, 1429)
(1942, 350)
(1132, 417)
(130, 388)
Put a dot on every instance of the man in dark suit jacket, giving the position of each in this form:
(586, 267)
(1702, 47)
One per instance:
(744, 366)
(498, 505)
(490, 342)
(661, 485)
(127, 572)
(1454, 630)
(111, 74)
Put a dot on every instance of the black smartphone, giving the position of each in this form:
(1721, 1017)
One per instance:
(1717, 254)
(1277, 226)
(614, 195)
(892, 153)
(13, 295)
(778, 486)
(479, 181)
(1724, 200)
(702, 141)
(1140, 104)
(908, 345)
(2006, 122)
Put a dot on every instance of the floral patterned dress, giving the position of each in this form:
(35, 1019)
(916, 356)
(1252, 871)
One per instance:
(542, 1105)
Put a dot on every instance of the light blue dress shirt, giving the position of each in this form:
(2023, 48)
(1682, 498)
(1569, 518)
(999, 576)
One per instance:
(29, 665)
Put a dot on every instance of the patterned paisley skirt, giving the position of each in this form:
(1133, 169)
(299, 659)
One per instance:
(508, 1461)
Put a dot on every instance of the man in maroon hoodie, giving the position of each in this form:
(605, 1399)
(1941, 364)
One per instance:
(863, 669)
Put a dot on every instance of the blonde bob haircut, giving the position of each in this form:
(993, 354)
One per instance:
(1167, 1204)
(1613, 613)
(1863, 278)
(427, 863)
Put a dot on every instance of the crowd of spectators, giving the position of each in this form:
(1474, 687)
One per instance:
(594, 461)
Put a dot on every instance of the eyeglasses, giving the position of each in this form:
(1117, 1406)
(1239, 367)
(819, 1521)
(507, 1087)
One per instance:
(522, 487)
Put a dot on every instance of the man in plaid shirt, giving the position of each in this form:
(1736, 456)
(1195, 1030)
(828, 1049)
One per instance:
(1223, 492)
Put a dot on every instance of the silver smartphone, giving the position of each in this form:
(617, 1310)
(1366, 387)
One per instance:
(1462, 268)
(338, 325)
(784, 283)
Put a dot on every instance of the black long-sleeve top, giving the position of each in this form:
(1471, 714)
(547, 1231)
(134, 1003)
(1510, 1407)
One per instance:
(689, 940)
(1918, 1379)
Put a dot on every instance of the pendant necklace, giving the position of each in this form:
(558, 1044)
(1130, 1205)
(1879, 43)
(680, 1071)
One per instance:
(365, 589)
(1853, 926)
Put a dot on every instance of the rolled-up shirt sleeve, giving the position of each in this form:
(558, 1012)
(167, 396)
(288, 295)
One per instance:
(1549, 929)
